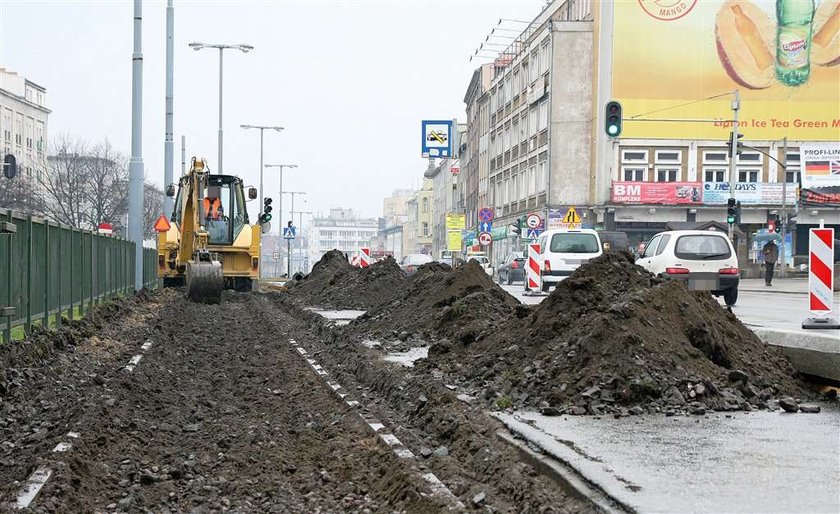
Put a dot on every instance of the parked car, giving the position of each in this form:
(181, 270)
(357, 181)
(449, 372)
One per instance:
(412, 261)
(562, 251)
(614, 241)
(512, 268)
(704, 259)
(483, 261)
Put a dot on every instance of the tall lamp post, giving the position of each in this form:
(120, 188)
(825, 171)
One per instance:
(262, 129)
(242, 48)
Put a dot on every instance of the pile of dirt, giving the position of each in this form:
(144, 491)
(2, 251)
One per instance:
(463, 304)
(334, 283)
(613, 339)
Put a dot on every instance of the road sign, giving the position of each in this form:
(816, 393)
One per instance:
(437, 138)
(533, 234)
(289, 232)
(571, 217)
(485, 226)
(533, 220)
(456, 167)
(161, 225)
(484, 239)
(485, 214)
(455, 221)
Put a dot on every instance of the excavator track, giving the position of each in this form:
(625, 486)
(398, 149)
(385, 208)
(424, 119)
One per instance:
(204, 281)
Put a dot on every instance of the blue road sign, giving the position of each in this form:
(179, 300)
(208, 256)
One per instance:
(437, 138)
(485, 214)
(485, 226)
(533, 234)
(289, 232)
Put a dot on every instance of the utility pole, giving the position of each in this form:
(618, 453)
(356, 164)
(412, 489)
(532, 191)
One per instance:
(221, 48)
(135, 163)
(169, 137)
(783, 271)
(183, 155)
(733, 157)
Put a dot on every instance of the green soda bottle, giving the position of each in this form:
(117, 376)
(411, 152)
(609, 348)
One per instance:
(793, 41)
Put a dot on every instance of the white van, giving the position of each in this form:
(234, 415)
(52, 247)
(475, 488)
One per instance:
(562, 251)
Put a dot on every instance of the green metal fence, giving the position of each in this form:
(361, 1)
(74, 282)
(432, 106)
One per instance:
(48, 270)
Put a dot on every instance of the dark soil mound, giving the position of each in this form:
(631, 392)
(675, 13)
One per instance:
(334, 283)
(611, 336)
(463, 304)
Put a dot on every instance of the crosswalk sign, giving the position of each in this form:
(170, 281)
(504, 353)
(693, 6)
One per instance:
(571, 217)
(289, 232)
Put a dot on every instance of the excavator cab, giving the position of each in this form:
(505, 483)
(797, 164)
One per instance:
(210, 245)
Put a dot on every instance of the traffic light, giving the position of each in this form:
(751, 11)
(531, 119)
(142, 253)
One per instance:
(9, 166)
(265, 217)
(613, 119)
(516, 228)
(731, 211)
(739, 144)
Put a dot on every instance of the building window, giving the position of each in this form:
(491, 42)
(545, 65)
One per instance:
(668, 157)
(532, 180)
(749, 158)
(748, 175)
(543, 115)
(715, 174)
(634, 174)
(542, 178)
(425, 205)
(666, 174)
(535, 65)
(715, 157)
(634, 156)
(544, 57)
(792, 175)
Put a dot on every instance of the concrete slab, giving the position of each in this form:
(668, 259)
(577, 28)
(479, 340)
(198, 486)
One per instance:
(815, 352)
(747, 462)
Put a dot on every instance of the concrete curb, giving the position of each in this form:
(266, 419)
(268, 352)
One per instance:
(816, 352)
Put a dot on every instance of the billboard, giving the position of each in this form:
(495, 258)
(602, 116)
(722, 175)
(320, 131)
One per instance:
(749, 193)
(821, 164)
(682, 59)
(657, 192)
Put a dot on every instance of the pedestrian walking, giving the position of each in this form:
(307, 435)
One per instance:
(771, 255)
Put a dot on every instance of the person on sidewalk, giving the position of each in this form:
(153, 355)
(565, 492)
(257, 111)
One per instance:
(771, 255)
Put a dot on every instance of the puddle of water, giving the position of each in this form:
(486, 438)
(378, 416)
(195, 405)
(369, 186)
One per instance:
(370, 343)
(337, 315)
(407, 358)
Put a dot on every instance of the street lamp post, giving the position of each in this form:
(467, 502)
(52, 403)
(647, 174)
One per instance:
(262, 131)
(242, 48)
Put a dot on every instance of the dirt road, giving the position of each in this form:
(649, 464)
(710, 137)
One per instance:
(220, 413)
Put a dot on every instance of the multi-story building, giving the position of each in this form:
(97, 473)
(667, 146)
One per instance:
(23, 124)
(340, 230)
(417, 232)
(395, 207)
(473, 158)
(548, 149)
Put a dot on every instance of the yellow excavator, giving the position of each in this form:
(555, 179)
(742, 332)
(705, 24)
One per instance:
(207, 243)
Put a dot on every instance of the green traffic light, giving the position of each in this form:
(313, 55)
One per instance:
(730, 220)
(612, 129)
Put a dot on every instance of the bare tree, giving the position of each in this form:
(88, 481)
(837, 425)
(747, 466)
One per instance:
(64, 182)
(106, 185)
(152, 209)
(20, 193)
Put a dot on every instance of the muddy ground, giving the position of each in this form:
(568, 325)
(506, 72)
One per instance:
(222, 414)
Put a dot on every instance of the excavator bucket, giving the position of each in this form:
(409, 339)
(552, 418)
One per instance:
(204, 281)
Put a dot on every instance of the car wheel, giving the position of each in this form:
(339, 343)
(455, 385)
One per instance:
(730, 296)
(545, 287)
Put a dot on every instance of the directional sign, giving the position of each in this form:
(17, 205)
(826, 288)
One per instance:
(485, 226)
(484, 239)
(533, 234)
(571, 217)
(485, 214)
(437, 138)
(533, 220)
(289, 232)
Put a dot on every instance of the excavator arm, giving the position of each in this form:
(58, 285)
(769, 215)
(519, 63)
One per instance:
(203, 277)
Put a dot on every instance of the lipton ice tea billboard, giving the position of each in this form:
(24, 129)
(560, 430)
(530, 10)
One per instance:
(680, 59)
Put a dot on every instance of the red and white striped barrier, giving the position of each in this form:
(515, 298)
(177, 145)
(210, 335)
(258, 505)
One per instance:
(364, 255)
(821, 271)
(532, 268)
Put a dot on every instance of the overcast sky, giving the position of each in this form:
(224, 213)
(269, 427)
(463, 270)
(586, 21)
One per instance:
(349, 80)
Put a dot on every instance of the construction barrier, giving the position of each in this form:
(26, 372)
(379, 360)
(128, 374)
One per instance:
(532, 268)
(47, 270)
(364, 257)
(820, 278)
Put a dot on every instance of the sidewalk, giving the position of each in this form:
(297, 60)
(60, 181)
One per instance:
(780, 285)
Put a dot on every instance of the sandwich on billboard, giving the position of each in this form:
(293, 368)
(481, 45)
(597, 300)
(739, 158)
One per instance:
(684, 58)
